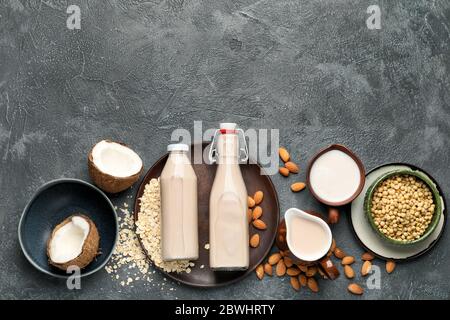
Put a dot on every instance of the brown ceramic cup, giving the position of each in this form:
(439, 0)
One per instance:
(358, 163)
(324, 262)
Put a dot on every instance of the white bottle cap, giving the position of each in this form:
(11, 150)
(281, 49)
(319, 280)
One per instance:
(228, 126)
(177, 147)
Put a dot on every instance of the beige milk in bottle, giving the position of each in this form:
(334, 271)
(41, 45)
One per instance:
(179, 214)
(228, 225)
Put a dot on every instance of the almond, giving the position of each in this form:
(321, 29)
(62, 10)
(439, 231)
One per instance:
(333, 215)
(302, 268)
(295, 284)
(268, 269)
(259, 224)
(311, 271)
(274, 258)
(312, 284)
(284, 154)
(292, 167)
(347, 260)
(349, 272)
(294, 271)
(257, 213)
(355, 289)
(254, 240)
(288, 262)
(280, 269)
(390, 266)
(258, 197)
(260, 272)
(339, 253)
(366, 267)
(297, 186)
(367, 256)
(333, 245)
(322, 273)
(249, 215)
(303, 280)
(250, 202)
(284, 171)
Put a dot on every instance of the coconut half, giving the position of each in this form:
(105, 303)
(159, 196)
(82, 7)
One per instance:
(73, 242)
(113, 166)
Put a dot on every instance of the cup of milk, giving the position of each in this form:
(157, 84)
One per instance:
(335, 176)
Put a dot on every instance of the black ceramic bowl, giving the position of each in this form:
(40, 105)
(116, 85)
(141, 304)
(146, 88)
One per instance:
(54, 202)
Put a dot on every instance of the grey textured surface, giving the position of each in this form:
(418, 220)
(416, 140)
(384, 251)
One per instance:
(139, 69)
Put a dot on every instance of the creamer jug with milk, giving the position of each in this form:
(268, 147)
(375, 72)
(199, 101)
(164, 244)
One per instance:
(179, 212)
(228, 224)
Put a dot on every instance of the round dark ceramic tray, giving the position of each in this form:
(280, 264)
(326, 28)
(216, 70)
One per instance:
(254, 181)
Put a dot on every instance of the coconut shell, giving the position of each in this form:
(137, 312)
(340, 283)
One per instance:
(89, 250)
(107, 182)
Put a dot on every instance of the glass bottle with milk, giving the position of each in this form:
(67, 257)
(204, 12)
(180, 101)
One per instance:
(228, 225)
(179, 213)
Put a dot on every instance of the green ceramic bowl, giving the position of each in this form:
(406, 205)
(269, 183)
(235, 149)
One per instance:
(436, 199)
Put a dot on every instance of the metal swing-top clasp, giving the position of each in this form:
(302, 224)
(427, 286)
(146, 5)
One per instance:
(228, 128)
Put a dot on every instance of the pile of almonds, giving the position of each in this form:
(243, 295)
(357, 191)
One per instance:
(367, 258)
(254, 214)
(302, 275)
(288, 168)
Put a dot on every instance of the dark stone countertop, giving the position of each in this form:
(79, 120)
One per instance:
(137, 70)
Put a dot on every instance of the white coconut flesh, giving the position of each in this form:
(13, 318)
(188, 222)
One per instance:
(67, 242)
(115, 159)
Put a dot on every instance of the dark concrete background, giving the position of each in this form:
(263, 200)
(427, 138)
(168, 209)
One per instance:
(139, 69)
